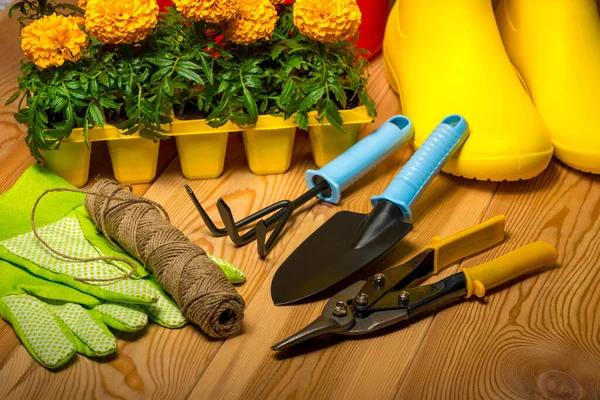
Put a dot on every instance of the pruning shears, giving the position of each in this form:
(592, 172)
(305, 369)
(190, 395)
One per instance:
(384, 299)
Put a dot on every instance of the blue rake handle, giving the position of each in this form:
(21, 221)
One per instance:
(361, 158)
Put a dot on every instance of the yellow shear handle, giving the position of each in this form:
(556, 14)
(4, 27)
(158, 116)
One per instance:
(467, 242)
(519, 262)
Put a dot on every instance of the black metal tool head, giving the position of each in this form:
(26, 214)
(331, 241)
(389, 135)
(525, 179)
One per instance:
(341, 249)
(337, 317)
(216, 231)
(280, 214)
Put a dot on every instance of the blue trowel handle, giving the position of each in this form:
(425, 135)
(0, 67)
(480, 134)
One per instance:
(424, 165)
(359, 159)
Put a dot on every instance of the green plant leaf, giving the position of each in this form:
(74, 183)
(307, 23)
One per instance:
(73, 85)
(161, 62)
(103, 78)
(94, 88)
(286, 94)
(276, 51)
(158, 75)
(295, 62)
(96, 115)
(252, 81)
(251, 104)
(59, 103)
(78, 94)
(302, 120)
(338, 92)
(333, 115)
(107, 103)
(13, 97)
(188, 65)
(43, 117)
(207, 71)
(189, 74)
(168, 87)
(312, 98)
(223, 86)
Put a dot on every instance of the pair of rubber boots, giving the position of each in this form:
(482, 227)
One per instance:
(527, 80)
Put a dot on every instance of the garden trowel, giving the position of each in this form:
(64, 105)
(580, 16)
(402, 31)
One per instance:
(348, 242)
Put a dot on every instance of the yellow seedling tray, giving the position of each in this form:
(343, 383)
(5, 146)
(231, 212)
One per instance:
(268, 144)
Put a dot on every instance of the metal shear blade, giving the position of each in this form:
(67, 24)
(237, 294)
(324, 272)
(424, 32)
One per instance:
(337, 317)
(376, 321)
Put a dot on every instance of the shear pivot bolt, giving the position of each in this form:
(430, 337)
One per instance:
(362, 299)
(340, 309)
(379, 280)
(403, 298)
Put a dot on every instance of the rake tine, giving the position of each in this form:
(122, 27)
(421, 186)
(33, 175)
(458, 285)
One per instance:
(280, 214)
(232, 227)
(207, 220)
(263, 246)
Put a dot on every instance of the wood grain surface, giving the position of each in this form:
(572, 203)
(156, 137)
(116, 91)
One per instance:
(538, 338)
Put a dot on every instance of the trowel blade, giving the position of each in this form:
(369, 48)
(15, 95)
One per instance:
(331, 255)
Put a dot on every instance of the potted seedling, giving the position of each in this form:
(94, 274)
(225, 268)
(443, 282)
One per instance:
(123, 73)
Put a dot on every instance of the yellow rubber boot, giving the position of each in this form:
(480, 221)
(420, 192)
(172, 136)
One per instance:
(446, 57)
(555, 44)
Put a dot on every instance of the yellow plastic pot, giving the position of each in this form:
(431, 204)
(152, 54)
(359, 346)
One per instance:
(201, 148)
(71, 161)
(327, 142)
(133, 159)
(269, 144)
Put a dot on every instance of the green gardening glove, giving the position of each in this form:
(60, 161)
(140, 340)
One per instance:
(63, 223)
(68, 236)
(55, 321)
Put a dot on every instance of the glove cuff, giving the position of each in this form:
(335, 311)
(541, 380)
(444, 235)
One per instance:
(16, 203)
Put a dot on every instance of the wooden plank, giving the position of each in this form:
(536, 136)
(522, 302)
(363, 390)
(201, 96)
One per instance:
(10, 131)
(538, 338)
(11, 134)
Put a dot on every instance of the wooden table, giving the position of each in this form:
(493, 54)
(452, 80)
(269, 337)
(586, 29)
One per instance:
(539, 338)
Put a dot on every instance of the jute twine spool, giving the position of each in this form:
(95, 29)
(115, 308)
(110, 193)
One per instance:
(197, 284)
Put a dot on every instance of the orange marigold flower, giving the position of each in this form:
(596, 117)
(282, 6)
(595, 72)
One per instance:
(116, 22)
(52, 39)
(207, 10)
(82, 3)
(256, 20)
(327, 21)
